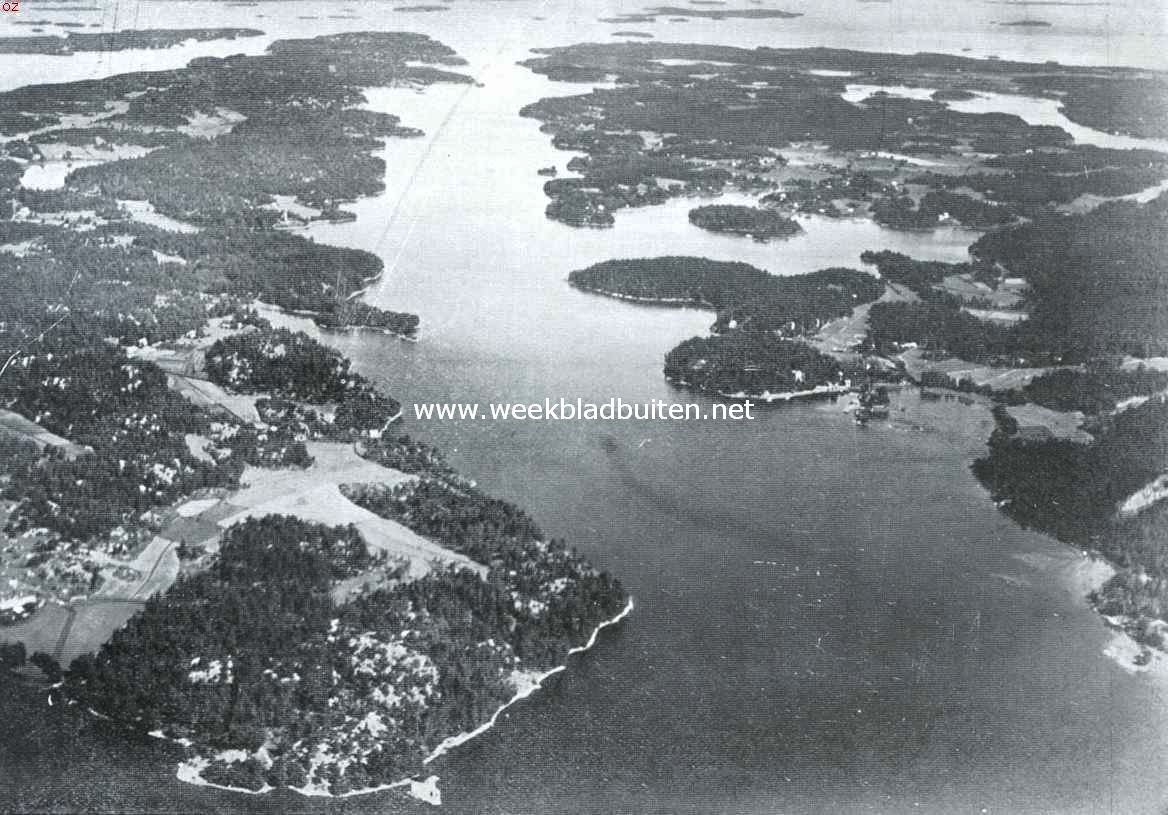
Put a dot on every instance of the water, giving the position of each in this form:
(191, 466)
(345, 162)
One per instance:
(1031, 109)
(1047, 112)
(828, 619)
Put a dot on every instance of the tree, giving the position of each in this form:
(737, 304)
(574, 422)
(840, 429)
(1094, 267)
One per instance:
(12, 656)
(48, 665)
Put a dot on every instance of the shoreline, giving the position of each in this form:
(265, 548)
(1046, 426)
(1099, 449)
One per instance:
(788, 396)
(1082, 572)
(190, 770)
(264, 309)
(451, 742)
(675, 302)
(356, 329)
(767, 396)
(1089, 575)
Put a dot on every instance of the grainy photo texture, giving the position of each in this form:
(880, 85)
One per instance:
(502, 407)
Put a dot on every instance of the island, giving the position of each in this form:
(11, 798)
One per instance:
(698, 120)
(760, 224)
(952, 95)
(124, 40)
(756, 366)
(725, 13)
(758, 349)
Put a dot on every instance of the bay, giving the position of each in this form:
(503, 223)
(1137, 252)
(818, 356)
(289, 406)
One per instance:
(828, 618)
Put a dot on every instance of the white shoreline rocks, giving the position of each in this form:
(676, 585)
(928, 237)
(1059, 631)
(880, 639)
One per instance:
(525, 682)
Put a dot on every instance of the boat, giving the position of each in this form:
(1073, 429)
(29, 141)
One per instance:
(874, 404)
(548, 171)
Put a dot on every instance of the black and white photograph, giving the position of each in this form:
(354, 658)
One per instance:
(552, 407)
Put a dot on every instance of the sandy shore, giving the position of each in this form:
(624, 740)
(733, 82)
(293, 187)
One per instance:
(649, 301)
(787, 396)
(1083, 573)
(769, 396)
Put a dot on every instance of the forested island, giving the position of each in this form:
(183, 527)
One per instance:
(124, 40)
(725, 13)
(744, 296)
(701, 119)
(321, 602)
(756, 350)
(760, 224)
(762, 366)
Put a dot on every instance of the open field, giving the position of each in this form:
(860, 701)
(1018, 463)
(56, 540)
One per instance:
(965, 287)
(997, 378)
(42, 631)
(67, 632)
(17, 425)
(94, 622)
(325, 504)
(312, 494)
(206, 393)
(156, 567)
(837, 337)
(334, 463)
(1061, 425)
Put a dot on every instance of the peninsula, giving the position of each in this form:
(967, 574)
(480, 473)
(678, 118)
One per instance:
(213, 532)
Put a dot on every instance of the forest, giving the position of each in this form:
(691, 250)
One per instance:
(1073, 491)
(745, 297)
(1097, 281)
(79, 297)
(134, 424)
(64, 310)
(939, 209)
(1096, 287)
(693, 119)
(751, 363)
(293, 126)
(757, 315)
(292, 365)
(942, 328)
(258, 648)
(352, 313)
(1109, 99)
(1098, 388)
(254, 654)
(760, 224)
(74, 41)
(1096, 293)
(1033, 192)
